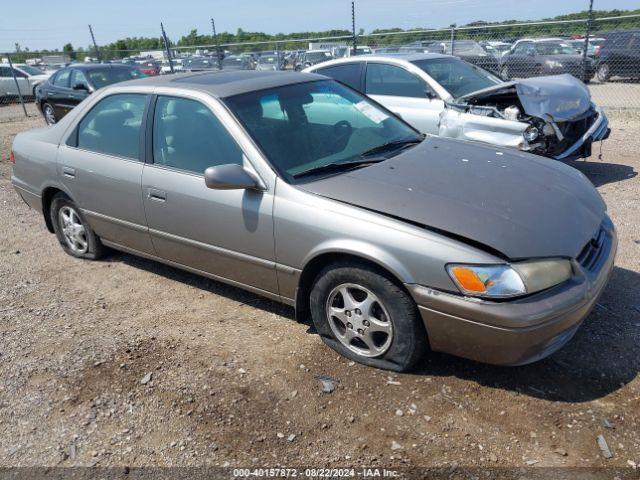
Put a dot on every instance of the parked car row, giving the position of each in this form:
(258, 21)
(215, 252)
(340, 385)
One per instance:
(613, 54)
(301, 189)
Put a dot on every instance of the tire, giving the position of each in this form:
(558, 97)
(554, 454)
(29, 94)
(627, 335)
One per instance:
(504, 73)
(396, 338)
(72, 229)
(49, 114)
(603, 73)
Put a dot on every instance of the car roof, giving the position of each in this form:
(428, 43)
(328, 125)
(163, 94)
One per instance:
(383, 57)
(411, 57)
(89, 66)
(223, 84)
(547, 39)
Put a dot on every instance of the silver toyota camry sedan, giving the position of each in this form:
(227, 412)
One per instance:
(300, 189)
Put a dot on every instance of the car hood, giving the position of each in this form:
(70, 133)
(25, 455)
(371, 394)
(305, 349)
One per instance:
(555, 97)
(518, 204)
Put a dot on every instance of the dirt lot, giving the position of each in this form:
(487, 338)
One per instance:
(234, 376)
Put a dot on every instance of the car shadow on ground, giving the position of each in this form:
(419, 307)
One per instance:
(601, 173)
(237, 294)
(603, 356)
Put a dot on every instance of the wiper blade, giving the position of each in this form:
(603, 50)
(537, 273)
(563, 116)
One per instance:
(337, 167)
(392, 145)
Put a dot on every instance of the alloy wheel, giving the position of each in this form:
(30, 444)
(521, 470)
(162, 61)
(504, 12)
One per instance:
(49, 116)
(359, 320)
(603, 72)
(73, 230)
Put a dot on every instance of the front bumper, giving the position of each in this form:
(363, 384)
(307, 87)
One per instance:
(519, 331)
(581, 148)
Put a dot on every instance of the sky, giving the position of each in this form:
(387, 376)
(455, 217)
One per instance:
(46, 24)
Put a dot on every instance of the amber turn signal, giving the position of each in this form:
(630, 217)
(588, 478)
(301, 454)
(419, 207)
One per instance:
(468, 279)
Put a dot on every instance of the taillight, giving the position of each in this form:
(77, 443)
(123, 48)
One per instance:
(12, 157)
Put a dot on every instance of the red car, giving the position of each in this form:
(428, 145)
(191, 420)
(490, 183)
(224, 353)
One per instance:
(149, 68)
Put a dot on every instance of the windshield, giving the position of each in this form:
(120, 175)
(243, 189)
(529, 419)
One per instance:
(200, 63)
(101, 77)
(233, 61)
(462, 47)
(314, 56)
(457, 76)
(554, 48)
(29, 70)
(268, 59)
(310, 125)
(502, 48)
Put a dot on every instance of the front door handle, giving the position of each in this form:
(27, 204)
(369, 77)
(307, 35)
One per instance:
(157, 195)
(69, 172)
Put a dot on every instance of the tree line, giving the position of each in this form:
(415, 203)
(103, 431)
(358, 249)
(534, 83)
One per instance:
(481, 31)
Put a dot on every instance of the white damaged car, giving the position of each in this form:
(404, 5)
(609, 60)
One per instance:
(443, 95)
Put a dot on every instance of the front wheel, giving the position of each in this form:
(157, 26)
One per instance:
(603, 73)
(363, 314)
(72, 230)
(504, 73)
(49, 114)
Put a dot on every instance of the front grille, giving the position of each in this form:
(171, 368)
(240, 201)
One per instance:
(592, 251)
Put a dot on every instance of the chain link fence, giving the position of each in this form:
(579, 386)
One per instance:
(603, 52)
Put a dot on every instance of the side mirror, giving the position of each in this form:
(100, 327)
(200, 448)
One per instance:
(80, 86)
(430, 94)
(231, 177)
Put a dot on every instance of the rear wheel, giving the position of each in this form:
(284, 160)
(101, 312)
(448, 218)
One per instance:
(604, 72)
(504, 73)
(49, 114)
(362, 313)
(72, 230)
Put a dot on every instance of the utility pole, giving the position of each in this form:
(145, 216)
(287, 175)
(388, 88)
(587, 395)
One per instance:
(215, 39)
(166, 47)
(93, 38)
(586, 41)
(453, 37)
(13, 74)
(353, 28)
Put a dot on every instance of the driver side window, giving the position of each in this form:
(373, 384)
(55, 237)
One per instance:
(522, 48)
(79, 78)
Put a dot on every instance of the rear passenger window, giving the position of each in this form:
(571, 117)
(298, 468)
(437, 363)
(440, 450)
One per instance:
(391, 80)
(188, 136)
(113, 126)
(62, 79)
(348, 74)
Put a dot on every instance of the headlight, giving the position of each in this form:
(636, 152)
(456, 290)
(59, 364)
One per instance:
(503, 281)
(553, 63)
(530, 134)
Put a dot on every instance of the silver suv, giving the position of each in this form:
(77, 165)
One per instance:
(300, 189)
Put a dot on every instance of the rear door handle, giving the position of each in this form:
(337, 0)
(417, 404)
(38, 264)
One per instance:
(69, 172)
(157, 195)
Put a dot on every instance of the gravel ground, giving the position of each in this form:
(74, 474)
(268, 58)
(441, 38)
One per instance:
(126, 362)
